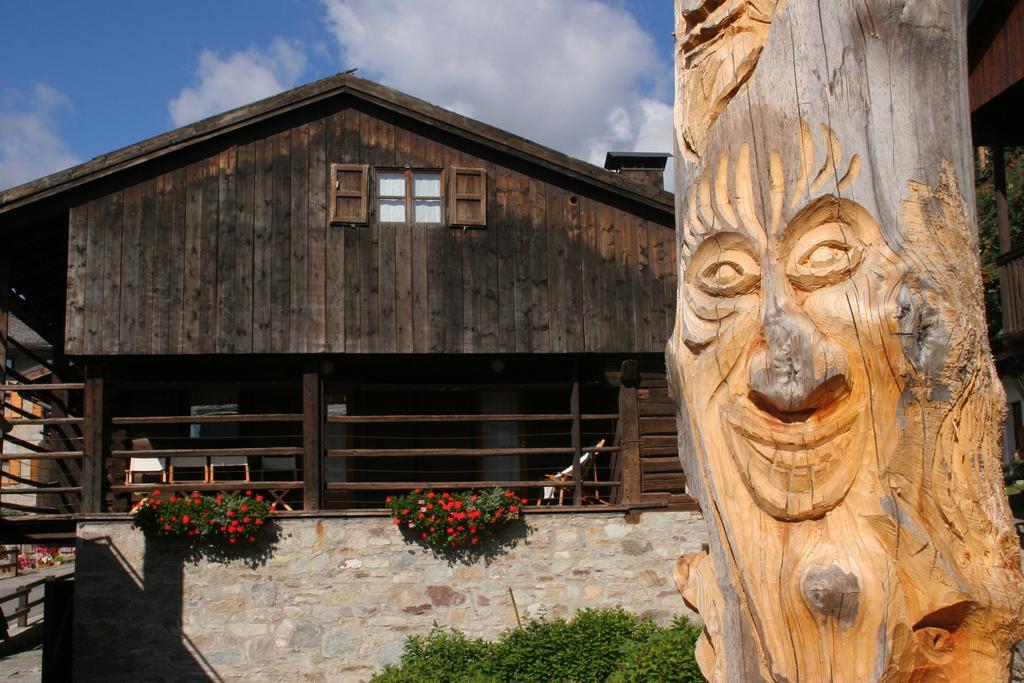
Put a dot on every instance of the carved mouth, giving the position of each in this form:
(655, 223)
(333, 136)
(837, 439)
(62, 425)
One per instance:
(796, 464)
(831, 414)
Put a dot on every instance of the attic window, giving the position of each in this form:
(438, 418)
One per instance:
(401, 194)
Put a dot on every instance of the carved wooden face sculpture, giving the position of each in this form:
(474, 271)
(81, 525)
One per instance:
(773, 317)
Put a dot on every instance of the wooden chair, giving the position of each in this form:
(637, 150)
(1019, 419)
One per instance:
(278, 466)
(189, 462)
(587, 464)
(144, 465)
(229, 461)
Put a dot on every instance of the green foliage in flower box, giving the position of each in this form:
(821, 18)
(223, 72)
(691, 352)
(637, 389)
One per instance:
(231, 519)
(446, 520)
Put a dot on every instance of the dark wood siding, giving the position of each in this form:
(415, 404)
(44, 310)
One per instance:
(230, 251)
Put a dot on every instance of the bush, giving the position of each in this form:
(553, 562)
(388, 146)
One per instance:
(668, 655)
(596, 645)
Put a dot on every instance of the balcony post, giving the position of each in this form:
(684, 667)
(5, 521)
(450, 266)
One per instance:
(629, 434)
(312, 441)
(93, 441)
(1005, 243)
(577, 445)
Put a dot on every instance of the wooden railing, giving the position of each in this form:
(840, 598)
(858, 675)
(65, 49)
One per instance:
(196, 463)
(1011, 287)
(52, 456)
(583, 487)
(117, 444)
(19, 615)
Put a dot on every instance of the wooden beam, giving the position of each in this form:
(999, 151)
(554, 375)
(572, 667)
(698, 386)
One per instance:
(577, 442)
(629, 442)
(93, 441)
(509, 484)
(312, 441)
(1005, 243)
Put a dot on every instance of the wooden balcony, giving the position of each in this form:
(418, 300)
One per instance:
(318, 444)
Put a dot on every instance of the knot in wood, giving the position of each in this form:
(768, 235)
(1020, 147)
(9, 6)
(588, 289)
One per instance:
(832, 592)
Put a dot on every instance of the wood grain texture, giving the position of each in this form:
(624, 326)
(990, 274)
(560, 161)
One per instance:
(838, 407)
(230, 252)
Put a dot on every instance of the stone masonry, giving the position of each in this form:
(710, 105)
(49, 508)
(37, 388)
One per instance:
(335, 598)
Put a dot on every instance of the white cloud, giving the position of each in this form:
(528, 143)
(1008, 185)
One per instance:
(30, 142)
(237, 79)
(566, 73)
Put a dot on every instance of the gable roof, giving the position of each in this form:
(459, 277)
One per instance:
(330, 87)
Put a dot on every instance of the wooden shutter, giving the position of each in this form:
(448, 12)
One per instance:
(468, 196)
(347, 188)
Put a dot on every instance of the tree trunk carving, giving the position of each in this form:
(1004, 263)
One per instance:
(838, 406)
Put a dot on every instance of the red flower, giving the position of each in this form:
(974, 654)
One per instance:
(248, 493)
(259, 499)
(451, 531)
(231, 513)
(232, 540)
(425, 535)
(475, 539)
(168, 527)
(405, 511)
(388, 500)
(395, 522)
(244, 508)
(156, 492)
(512, 508)
(185, 519)
(430, 494)
(246, 520)
(258, 522)
(252, 538)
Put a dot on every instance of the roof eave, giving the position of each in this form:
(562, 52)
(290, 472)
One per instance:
(333, 86)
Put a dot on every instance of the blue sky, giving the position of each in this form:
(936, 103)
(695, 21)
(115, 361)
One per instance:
(85, 78)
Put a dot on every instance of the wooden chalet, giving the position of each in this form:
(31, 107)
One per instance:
(995, 41)
(338, 293)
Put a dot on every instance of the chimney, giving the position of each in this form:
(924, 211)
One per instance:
(644, 167)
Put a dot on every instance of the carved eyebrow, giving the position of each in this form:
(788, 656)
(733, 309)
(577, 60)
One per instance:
(713, 208)
(723, 200)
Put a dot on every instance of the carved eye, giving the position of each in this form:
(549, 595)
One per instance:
(731, 274)
(823, 256)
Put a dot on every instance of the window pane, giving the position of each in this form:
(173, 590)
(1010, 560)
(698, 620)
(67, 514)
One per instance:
(391, 184)
(391, 210)
(426, 184)
(428, 210)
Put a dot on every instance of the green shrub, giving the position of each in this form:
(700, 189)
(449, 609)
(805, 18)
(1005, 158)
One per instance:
(597, 645)
(446, 656)
(668, 655)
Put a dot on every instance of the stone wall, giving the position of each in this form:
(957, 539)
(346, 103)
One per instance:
(334, 599)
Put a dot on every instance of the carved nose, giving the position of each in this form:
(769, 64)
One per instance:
(795, 369)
